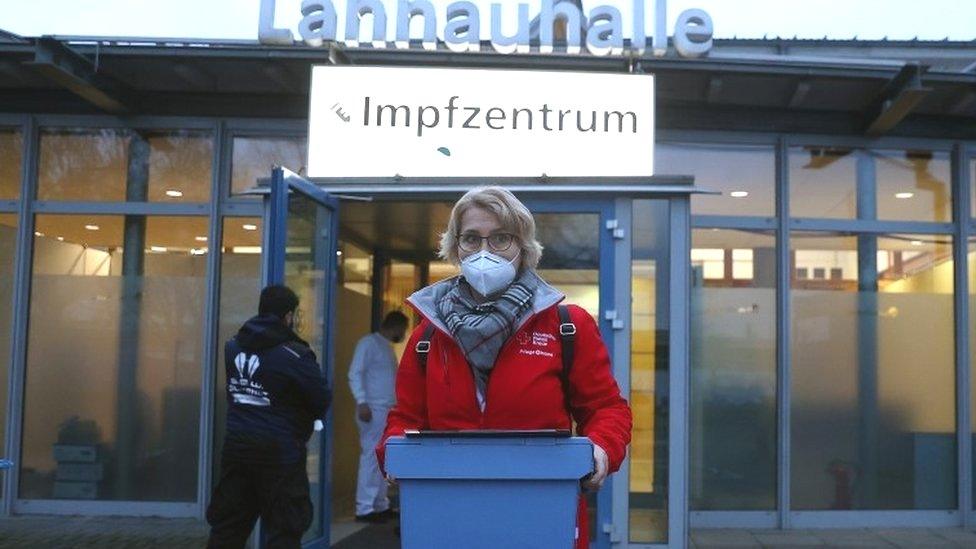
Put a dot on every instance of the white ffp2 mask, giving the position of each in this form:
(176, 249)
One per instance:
(488, 273)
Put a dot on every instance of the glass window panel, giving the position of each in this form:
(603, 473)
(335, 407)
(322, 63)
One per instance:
(120, 165)
(733, 376)
(11, 151)
(180, 167)
(571, 263)
(306, 272)
(355, 269)
(254, 158)
(745, 175)
(8, 250)
(113, 365)
(649, 397)
(401, 280)
(823, 182)
(873, 380)
(914, 185)
(571, 256)
(971, 260)
(354, 316)
(240, 288)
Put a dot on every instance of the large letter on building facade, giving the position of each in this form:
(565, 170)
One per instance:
(267, 33)
(319, 22)
(693, 33)
(547, 18)
(519, 42)
(605, 33)
(463, 29)
(406, 10)
(355, 10)
(660, 42)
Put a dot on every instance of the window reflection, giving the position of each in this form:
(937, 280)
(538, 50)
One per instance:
(745, 175)
(240, 288)
(823, 182)
(649, 373)
(908, 185)
(11, 151)
(255, 157)
(913, 185)
(113, 365)
(124, 165)
(733, 371)
(8, 250)
(873, 381)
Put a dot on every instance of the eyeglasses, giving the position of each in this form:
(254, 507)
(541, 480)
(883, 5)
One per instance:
(498, 242)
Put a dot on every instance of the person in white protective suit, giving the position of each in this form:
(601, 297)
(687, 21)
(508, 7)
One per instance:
(372, 375)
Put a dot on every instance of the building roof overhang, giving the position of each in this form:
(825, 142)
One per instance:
(734, 87)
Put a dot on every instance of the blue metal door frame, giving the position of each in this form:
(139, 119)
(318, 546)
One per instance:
(283, 183)
(606, 208)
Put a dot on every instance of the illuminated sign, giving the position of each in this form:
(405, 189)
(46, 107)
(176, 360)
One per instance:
(435, 122)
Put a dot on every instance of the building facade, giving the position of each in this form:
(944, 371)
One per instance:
(827, 303)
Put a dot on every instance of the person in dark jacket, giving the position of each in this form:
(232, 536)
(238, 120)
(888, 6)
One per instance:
(275, 393)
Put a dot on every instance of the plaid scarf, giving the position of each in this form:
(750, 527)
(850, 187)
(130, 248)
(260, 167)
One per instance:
(480, 329)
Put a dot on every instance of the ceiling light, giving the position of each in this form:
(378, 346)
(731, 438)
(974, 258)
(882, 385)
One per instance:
(92, 227)
(198, 251)
(38, 233)
(916, 242)
(201, 239)
(904, 195)
(60, 239)
(739, 194)
(158, 249)
(339, 253)
(172, 193)
(249, 227)
(246, 250)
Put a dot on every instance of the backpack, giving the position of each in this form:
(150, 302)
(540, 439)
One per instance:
(567, 338)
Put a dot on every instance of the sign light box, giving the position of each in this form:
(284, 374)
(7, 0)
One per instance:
(435, 122)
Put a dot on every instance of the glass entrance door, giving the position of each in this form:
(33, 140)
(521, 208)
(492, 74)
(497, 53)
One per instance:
(302, 244)
(614, 257)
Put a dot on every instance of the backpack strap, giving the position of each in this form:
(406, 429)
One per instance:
(423, 346)
(567, 337)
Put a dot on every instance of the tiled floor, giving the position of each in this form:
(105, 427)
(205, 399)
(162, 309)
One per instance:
(893, 537)
(114, 532)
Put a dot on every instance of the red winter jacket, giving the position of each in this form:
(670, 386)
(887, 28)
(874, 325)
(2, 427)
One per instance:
(524, 389)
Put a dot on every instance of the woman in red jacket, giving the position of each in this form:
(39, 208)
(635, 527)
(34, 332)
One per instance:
(494, 360)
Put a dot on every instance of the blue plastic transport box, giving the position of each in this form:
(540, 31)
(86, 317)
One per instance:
(488, 489)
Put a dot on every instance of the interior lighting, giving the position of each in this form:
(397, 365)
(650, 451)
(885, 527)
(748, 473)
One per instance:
(158, 249)
(38, 233)
(201, 239)
(92, 227)
(255, 250)
(173, 193)
(904, 195)
(249, 227)
(198, 251)
(916, 242)
(60, 239)
(739, 194)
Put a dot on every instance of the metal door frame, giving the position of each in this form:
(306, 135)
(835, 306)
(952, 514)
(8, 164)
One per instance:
(283, 183)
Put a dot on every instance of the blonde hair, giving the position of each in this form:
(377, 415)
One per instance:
(511, 213)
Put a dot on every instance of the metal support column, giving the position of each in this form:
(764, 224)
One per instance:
(19, 315)
(961, 214)
(783, 278)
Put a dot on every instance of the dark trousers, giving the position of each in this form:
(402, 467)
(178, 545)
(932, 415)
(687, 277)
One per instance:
(278, 494)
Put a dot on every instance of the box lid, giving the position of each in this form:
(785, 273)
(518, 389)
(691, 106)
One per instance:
(492, 457)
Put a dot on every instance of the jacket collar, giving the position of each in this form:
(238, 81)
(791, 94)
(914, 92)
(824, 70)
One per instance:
(425, 300)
